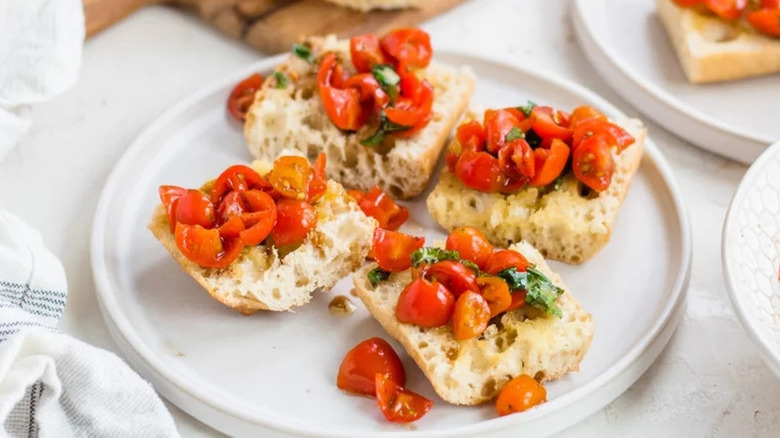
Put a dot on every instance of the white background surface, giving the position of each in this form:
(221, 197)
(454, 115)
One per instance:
(710, 381)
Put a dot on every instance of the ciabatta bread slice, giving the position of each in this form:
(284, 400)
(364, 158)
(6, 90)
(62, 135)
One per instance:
(711, 49)
(370, 5)
(263, 279)
(526, 341)
(293, 117)
(563, 224)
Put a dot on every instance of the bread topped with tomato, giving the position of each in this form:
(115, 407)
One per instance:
(378, 107)
(371, 5)
(474, 317)
(264, 237)
(723, 40)
(534, 173)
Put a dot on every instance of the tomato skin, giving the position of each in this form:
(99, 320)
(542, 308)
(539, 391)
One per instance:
(471, 135)
(496, 292)
(727, 9)
(169, 196)
(504, 259)
(517, 160)
(369, 88)
(243, 95)
(317, 184)
(365, 52)
(364, 361)
(382, 207)
(290, 176)
(194, 208)
(393, 249)
(766, 21)
(341, 105)
(543, 122)
(498, 123)
(520, 394)
(453, 275)
(261, 218)
(410, 47)
(471, 244)
(592, 163)
(424, 303)
(613, 134)
(205, 247)
(470, 317)
(479, 171)
(294, 220)
(518, 299)
(398, 404)
(414, 107)
(238, 178)
(587, 113)
(550, 163)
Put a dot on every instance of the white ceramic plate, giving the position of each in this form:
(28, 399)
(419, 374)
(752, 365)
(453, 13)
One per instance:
(626, 43)
(245, 375)
(751, 254)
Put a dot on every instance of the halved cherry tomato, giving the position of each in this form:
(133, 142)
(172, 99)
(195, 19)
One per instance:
(471, 245)
(770, 4)
(236, 178)
(369, 89)
(455, 276)
(496, 292)
(517, 160)
(505, 259)
(342, 105)
(613, 134)
(414, 107)
(294, 220)
(393, 249)
(261, 218)
(362, 363)
(550, 163)
(470, 317)
(479, 171)
(169, 195)
(290, 176)
(318, 184)
(549, 123)
(518, 299)
(398, 404)
(586, 113)
(382, 207)
(233, 204)
(193, 207)
(424, 303)
(206, 247)
(727, 9)
(365, 52)
(471, 135)
(498, 123)
(243, 95)
(592, 163)
(766, 21)
(519, 394)
(411, 47)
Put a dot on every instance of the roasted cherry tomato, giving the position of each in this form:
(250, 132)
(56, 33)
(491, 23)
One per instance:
(414, 107)
(518, 299)
(424, 303)
(727, 9)
(410, 47)
(479, 171)
(260, 218)
(471, 245)
(318, 183)
(455, 276)
(496, 292)
(519, 394)
(243, 95)
(471, 135)
(504, 259)
(365, 52)
(592, 163)
(550, 163)
(206, 247)
(369, 89)
(233, 204)
(766, 21)
(382, 207)
(517, 160)
(613, 134)
(294, 220)
(290, 176)
(498, 124)
(470, 317)
(398, 404)
(393, 250)
(236, 178)
(587, 113)
(195, 208)
(363, 362)
(341, 105)
(549, 123)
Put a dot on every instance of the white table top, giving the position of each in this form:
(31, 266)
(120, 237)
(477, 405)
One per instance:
(709, 381)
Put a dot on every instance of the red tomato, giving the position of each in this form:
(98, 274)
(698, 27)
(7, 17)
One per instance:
(243, 95)
(260, 219)
(381, 207)
(455, 276)
(727, 9)
(369, 89)
(517, 160)
(470, 317)
(232, 205)
(317, 185)
(770, 4)
(586, 113)
(504, 259)
(410, 47)
(393, 250)
(206, 247)
(519, 394)
(398, 404)
(496, 292)
(194, 208)
(592, 163)
(425, 304)
(342, 105)
(479, 171)
(518, 299)
(471, 244)
(471, 136)
(766, 21)
(414, 107)
(294, 220)
(688, 3)
(550, 163)
(363, 362)
(613, 134)
(365, 52)
(236, 178)
(169, 195)
(290, 176)
(549, 123)
(498, 123)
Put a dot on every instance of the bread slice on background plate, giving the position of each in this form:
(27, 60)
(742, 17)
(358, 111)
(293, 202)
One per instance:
(370, 5)
(293, 117)
(526, 341)
(263, 279)
(562, 224)
(711, 49)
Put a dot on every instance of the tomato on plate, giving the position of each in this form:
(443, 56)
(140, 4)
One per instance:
(496, 292)
(424, 303)
(587, 113)
(520, 394)
(341, 105)
(613, 134)
(190, 207)
(549, 123)
(727, 9)
(238, 178)
(260, 218)
(592, 163)
(517, 160)
(411, 47)
(382, 207)
(290, 176)
(471, 135)
(470, 244)
(766, 21)
(369, 89)
(317, 184)
(365, 52)
(398, 404)
(505, 259)
(549, 163)
(363, 362)
(206, 247)
(470, 317)
(518, 299)
(414, 107)
(479, 171)
(393, 249)
(688, 3)
(455, 276)
(294, 220)
(498, 124)
(243, 95)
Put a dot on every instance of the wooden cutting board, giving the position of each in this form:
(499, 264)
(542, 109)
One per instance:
(272, 26)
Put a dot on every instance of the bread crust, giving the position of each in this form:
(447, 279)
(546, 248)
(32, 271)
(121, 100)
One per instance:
(370, 5)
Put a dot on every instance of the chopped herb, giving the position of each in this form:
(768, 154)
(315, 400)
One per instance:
(377, 275)
(303, 52)
(470, 264)
(514, 134)
(281, 79)
(558, 182)
(540, 292)
(385, 127)
(388, 79)
(432, 254)
(533, 138)
(527, 108)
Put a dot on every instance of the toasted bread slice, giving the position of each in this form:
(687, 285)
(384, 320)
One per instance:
(711, 49)
(526, 341)
(370, 5)
(263, 279)
(293, 117)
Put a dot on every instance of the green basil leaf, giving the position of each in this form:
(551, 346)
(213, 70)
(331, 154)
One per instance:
(377, 275)
(515, 134)
(432, 254)
(558, 182)
(540, 292)
(281, 79)
(388, 79)
(527, 108)
(471, 265)
(304, 52)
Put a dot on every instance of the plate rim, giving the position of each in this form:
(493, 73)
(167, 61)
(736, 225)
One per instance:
(114, 316)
